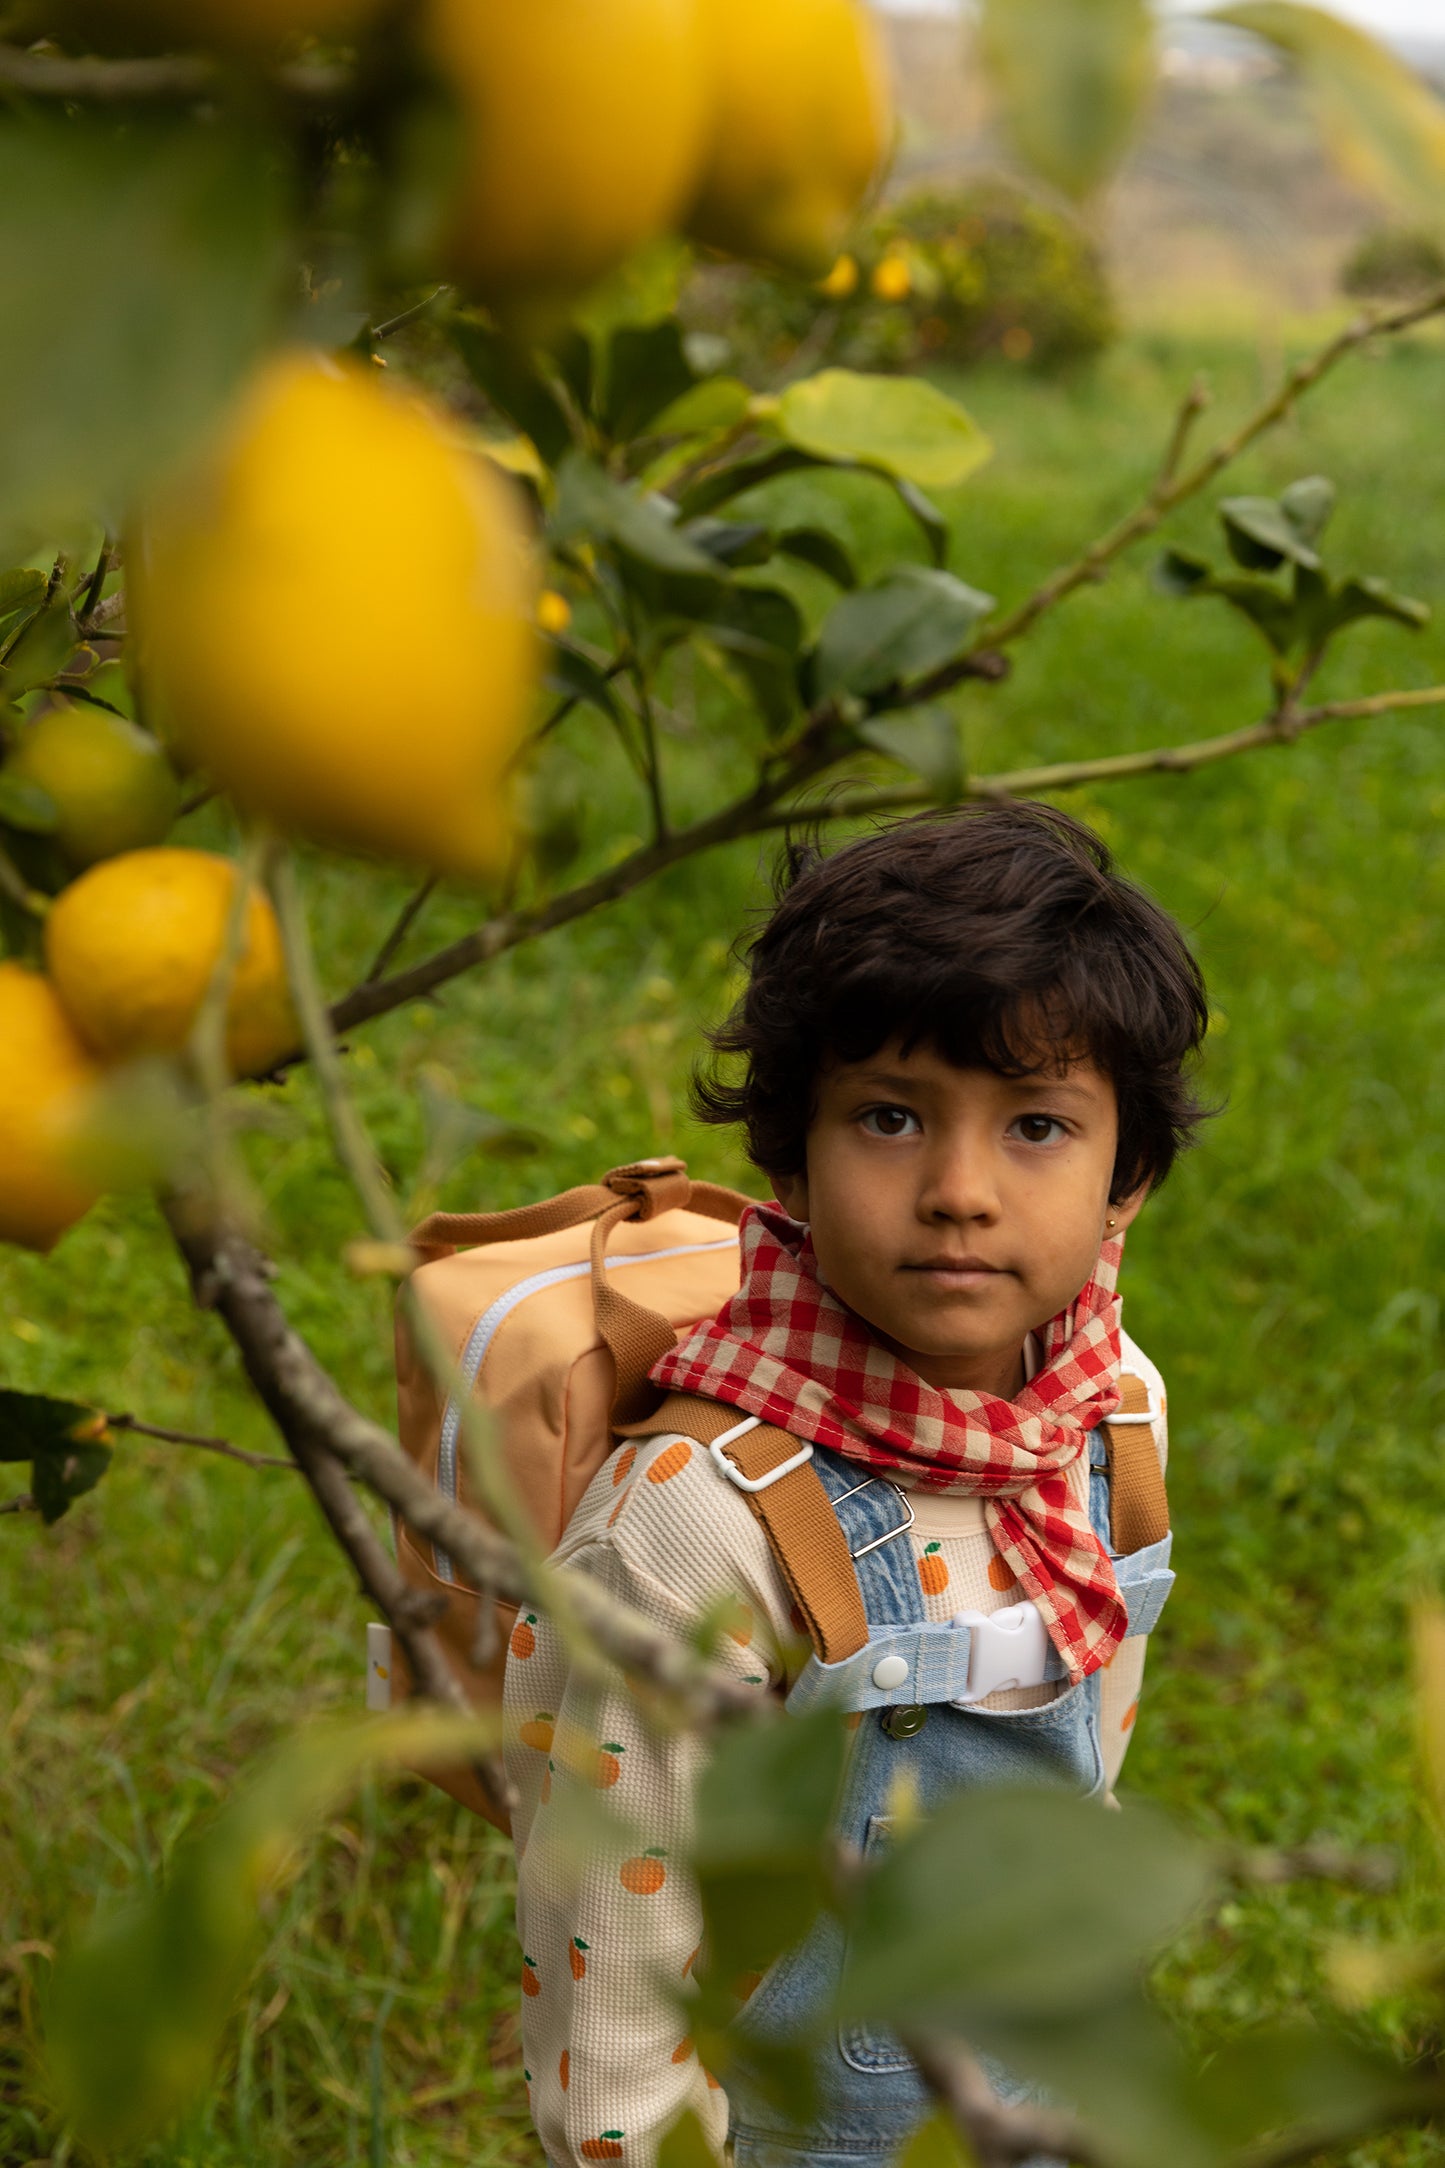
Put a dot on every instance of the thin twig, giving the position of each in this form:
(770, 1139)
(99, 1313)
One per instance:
(997, 2135)
(22, 1503)
(1321, 1860)
(167, 78)
(394, 324)
(415, 903)
(1168, 492)
(94, 585)
(1280, 728)
(188, 1437)
(14, 885)
(1191, 406)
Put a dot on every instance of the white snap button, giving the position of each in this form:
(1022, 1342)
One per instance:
(890, 1671)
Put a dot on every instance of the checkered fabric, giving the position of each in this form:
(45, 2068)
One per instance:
(788, 1351)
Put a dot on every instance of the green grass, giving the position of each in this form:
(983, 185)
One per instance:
(191, 1613)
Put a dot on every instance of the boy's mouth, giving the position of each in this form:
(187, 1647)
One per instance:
(965, 1271)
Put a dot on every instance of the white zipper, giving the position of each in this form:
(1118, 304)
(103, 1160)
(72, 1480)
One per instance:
(485, 1331)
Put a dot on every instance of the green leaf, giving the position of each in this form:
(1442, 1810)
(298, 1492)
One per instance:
(686, 2145)
(760, 630)
(1262, 536)
(926, 741)
(935, 2144)
(709, 409)
(1309, 505)
(732, 542)
(1379, 117)
(814, 546)
(20, 590)
(591, 504)
(1071, 78)
(896, 631)
(742, 474)
(508, 375)
(24, 805)
(647, 371)
(1180, 572)
(1271, 613)
(43, 647)
(65, 1442)
(764, 1816)
(928, 516)
(1357, 597)
(141, 280)
(573, 675)
(1031, 1904)
(901, 425)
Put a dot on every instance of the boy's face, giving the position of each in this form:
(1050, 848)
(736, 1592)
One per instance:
(957, 1210)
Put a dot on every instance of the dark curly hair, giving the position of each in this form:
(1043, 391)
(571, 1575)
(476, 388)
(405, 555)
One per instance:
(1001, 936)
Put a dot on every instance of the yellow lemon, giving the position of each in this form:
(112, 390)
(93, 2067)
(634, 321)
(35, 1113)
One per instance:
(335, 620)
(111, 785)
(801, 123)
(891, 280)
(841, 281)
(131, 948)
(583, 130)
(47, 1080)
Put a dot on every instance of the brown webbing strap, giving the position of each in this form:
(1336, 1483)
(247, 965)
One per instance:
(796, 1515)
(1138, 1503)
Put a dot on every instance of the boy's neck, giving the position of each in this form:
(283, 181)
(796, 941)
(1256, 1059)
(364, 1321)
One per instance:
(1002, 1372)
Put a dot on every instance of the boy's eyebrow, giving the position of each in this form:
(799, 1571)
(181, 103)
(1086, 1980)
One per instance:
(894, 1080)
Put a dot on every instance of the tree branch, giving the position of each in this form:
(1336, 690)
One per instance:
(139, 1429)
(1171, 489)
(229, 1276)
(169, 78)
(22, 1502)
(997, 2135)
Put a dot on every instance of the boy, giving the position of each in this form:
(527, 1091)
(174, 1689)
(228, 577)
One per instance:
(964, 1045)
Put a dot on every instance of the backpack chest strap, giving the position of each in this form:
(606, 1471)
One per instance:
(796, 1515)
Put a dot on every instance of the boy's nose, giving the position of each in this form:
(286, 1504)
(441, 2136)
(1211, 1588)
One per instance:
(958, 1187)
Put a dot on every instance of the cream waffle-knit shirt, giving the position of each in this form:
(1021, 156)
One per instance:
(609, 2066)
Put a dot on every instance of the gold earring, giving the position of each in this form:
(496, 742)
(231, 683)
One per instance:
(1111, 1223)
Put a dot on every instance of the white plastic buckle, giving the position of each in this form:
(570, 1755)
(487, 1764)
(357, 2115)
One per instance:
(735, 1475)
(1006, 1649)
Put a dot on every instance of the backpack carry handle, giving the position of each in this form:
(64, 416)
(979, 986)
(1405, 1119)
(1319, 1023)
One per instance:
(637, 1336)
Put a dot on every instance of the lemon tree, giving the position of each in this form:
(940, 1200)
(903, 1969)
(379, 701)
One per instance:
(399, 486)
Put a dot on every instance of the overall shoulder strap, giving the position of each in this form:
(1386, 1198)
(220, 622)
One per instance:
(1138, 1503)
(796, 1515)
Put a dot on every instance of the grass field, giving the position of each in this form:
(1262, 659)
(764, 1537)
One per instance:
(191, 1612)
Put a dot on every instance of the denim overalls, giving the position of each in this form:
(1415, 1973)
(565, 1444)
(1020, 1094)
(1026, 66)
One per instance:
(870, 2095)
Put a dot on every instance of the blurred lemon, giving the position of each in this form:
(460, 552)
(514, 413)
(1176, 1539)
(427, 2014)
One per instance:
(131, 948)
(801, 121)
(335, 620)
(891, 280)
(554, 611)
(841, 281)
(583, 134)
(47, 1081)
(111, 785)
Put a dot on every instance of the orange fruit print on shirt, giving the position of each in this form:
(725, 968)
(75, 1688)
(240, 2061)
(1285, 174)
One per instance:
(644, 1875)
(1000, 1574)
(564, 2069)
(932, 1571)
(577, 1958)
(524, 1641)
(537, 1731)
(671, 1462)
(622, 1466)
(531, 1985)
(607, 2147)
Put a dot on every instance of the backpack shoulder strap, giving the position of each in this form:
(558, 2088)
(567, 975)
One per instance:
(796, 1515)
(1138, 1502)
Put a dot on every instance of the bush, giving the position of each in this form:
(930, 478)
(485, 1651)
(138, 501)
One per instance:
(1392, 263)
(938, 275)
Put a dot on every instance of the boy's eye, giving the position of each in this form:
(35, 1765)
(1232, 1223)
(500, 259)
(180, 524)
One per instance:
(890, 1122)
(1039, 1128)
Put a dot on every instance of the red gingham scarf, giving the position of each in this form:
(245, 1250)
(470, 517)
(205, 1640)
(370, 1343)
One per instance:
(788, 1351)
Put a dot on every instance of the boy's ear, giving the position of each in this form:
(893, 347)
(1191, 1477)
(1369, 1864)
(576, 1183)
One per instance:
(791, 1191)
(1123, 1211)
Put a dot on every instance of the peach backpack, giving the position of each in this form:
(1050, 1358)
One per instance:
(531, 1304)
